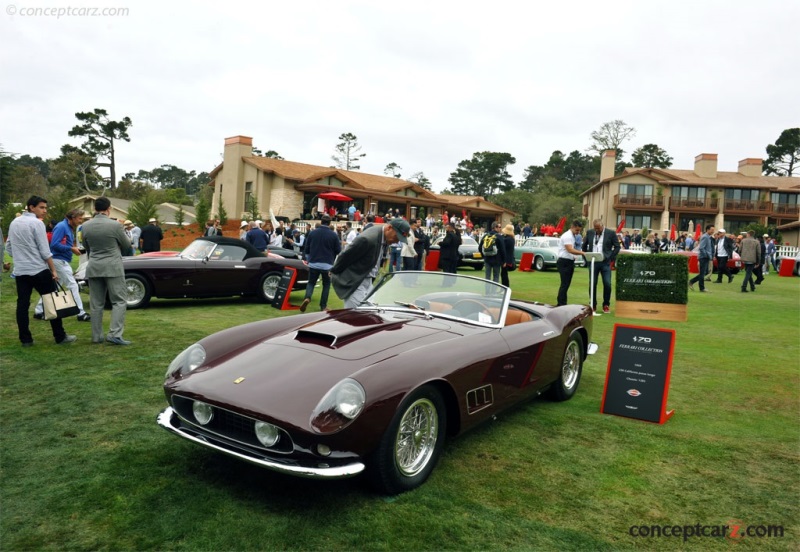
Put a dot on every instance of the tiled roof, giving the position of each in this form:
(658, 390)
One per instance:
(724, 179)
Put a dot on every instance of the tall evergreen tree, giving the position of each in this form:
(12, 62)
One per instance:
(784, 155)
(347, 156)
(101, 133)
(483, 175)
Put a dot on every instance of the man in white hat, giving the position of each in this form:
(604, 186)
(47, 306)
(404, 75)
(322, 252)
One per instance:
(151, 236)
(243, 228)
(136, 233)
(723, 249)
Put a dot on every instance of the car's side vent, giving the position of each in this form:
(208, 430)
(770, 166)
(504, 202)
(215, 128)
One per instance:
(480, 398)
(316, 338)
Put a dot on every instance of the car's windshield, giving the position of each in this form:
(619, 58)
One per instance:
(541, 242)
(456, 296)
(198, 250)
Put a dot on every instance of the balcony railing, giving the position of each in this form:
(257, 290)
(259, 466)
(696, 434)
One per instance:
(624, 201)
(694, 204)
(736, 206)
(789, 209)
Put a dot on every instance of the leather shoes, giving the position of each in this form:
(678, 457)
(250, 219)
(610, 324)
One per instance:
(85, 317)
(730, 279)
(38, 315)
(304, 304)
(691, 286)
(118, 341)
(67, 340)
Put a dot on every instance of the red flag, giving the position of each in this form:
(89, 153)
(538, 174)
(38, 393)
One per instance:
(463, 213)
(560, 227)
(697, 232)
(621, 226)
(673, 233)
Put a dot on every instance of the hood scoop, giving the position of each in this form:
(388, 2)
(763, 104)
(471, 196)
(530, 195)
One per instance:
(346, 328)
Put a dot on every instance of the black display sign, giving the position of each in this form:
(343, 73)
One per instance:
(639, 368)
(281, 299)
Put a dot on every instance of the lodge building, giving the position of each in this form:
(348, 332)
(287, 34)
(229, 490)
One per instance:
(291, 190)
(658, 198)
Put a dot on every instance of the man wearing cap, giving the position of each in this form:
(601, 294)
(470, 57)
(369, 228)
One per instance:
(151, 236)
(136, 233)
(358, 265)
(723, 249)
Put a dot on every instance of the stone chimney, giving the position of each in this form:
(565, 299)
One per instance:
(750, 166)
(705, 165)
(230, 181)
(607, 162)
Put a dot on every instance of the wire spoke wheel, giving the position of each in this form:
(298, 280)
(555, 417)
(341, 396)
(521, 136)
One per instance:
(416, 437)
(570, 367)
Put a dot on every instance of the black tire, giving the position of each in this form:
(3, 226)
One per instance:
(538, 263)
(569, 376)
(412, 444)
(137, 291)
(268, 286)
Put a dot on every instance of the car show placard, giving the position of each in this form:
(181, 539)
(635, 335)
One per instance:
(639, 369)
(652, 287)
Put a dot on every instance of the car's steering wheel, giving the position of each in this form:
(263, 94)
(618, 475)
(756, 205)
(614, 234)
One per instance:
(470, 306)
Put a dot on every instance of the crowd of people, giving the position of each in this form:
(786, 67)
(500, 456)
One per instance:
(345, 258)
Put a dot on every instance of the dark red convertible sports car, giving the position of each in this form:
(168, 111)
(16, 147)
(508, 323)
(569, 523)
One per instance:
(214, 266)
(377, 388)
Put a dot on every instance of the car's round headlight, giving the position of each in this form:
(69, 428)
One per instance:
(267, 434)
(203, 412)
(349, 399)
(341, 405)
(189, 359)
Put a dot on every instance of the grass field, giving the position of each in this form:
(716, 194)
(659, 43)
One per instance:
(84, 465)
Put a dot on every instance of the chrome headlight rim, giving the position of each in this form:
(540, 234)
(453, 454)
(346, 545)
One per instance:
(187, 361)
(340, 406)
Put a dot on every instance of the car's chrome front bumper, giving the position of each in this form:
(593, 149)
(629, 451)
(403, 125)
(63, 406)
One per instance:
(167, 420)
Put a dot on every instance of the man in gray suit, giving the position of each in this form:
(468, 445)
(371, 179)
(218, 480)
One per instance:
(106, 242)
(356, 267)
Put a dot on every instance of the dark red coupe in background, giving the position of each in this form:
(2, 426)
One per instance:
(215, 266)
(376, 388)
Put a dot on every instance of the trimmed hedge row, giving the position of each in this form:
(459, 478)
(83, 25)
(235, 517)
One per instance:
(655, 278)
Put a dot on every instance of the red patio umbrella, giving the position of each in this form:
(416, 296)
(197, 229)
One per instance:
(560, 227)
(621, 226)
(697, 232)
(335, 196)
(673, 233)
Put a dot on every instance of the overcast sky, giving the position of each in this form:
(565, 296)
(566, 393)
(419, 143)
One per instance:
(424, 84)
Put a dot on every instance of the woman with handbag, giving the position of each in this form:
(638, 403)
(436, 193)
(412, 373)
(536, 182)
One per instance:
(509, 263)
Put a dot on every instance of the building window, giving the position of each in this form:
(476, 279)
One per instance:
(688, 192)
(248, 193)
(636, 190)
(633, 220)
(742, 194)
(784, 199)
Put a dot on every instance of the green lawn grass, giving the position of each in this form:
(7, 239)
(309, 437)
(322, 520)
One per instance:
(84, 465)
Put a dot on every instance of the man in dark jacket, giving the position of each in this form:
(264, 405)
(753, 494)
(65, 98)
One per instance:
(257, 237)
(705, 254)
(723, 249)
(151, 236)
(358, 265)
(321, 247)
(422, 243)
(602, 240)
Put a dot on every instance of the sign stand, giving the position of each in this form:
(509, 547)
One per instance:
(593, 257)
(639, 370)
(281, 299)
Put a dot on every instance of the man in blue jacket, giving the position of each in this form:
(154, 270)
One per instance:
(62, 245)
(321, 247)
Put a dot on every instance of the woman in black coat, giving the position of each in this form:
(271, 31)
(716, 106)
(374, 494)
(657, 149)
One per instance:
(448, 250)
(509, 263)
